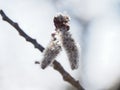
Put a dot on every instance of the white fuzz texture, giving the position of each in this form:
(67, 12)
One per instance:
(71, 48)
(52, 50)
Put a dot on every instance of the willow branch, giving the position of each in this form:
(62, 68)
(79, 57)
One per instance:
(21, 32)
(56, 65)
(66, 76)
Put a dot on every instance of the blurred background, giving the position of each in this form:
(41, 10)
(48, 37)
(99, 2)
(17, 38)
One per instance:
(95, 25)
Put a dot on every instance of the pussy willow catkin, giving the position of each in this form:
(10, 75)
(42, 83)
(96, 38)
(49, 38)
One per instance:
(61, 37)
(52, 50)
(71, 48)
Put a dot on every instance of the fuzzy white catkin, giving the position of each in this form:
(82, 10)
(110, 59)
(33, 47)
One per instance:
(71, 48)
(50, 53)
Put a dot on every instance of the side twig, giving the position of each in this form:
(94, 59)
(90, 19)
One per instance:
(56, 65)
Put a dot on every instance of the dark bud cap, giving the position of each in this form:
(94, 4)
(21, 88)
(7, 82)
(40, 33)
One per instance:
(61, 21)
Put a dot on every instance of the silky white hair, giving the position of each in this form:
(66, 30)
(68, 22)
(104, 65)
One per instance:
(71, 48)
(52, 50)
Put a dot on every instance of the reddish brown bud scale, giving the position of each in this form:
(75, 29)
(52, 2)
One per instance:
(61, 21)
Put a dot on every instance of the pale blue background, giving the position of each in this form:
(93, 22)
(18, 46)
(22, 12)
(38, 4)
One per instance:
(95, 24)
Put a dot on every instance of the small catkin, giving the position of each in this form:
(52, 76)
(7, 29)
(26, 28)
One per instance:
(71, 48)
(51, 51)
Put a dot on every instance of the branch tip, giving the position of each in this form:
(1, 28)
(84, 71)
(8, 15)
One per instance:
(37, 62)
(1, 11)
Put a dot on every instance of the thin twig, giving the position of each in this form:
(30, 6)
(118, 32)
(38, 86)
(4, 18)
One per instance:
(57, 66)
(21, 32)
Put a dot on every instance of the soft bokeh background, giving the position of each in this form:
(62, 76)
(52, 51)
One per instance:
(95, 24)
